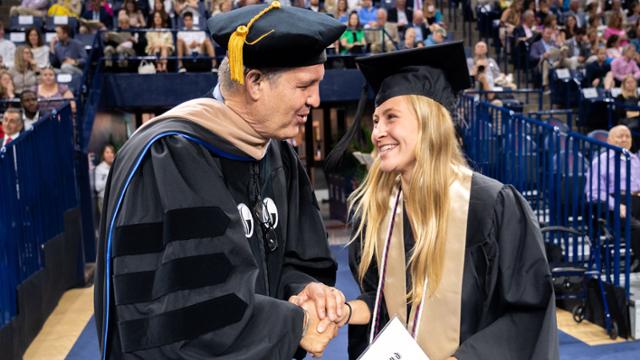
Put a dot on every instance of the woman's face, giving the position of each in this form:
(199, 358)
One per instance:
(5, 80)
(33, 38)
(26, 55)
(48, 77)
(157, 20)
(342, 5)
(108, 155)
(571, 22)
(353, 20)
(131, 6)
(629, 83)
(395, 135)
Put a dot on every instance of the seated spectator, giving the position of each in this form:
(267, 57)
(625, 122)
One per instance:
(420, 26)
(628, 97)
(625, 65)
(12, 126)
(599, 71)
(367, 13)
(101, 173)
(383, 35)
(546, 53)
(526, 31)
(52, 95)
(542, 13)
(576, 12)
(30, 111)
(221, 6)
(67, 53)
(594, 16)
(613, 48)
(578, 50)
(7, 50)
(492, 70)
(634, 14)
(24, 70)
(401, 15)
(123, 43)
(136, 18)
(165, 6)
(616, 8)
(614, 27)
(183, 6)
(193, 41)
(570, 27)
(330, 7)
(485, 83)
(409, 41)
(316, 6)
(431, 13)
(40, 51)
(159, 43)
(30, 7)
(7, 87)
(69, 8)
(636, 40)
(510, 19)
(600, 186)
(353, 39)
(342, 11)
(438, 36)
(96, 16)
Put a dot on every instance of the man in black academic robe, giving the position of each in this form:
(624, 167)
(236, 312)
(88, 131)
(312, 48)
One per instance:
(210, 222)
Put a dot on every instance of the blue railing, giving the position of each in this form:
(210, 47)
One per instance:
(569, 180)
(37, 185)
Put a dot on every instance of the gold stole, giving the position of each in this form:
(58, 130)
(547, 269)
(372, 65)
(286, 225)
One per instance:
(439, 328)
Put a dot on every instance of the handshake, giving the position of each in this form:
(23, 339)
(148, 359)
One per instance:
(325, 312)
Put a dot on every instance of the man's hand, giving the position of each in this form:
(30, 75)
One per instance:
(313, 341)
(328, 301)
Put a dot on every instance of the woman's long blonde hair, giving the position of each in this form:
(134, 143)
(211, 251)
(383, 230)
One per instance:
(438, 163)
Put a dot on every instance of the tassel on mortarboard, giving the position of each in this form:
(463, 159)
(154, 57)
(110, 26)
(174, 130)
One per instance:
(237, 41)
(336, 155)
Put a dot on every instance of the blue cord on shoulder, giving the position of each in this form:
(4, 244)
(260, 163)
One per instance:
(116, 210)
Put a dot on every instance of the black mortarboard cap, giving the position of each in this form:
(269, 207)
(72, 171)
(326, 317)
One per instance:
(274, 36)
(438, 72)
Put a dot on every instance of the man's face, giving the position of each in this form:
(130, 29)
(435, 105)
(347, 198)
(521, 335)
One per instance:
(11, 123)
(401, 3)
(188, 22)
(620, 136)
(287, 101)
(314, 2)
(62, 36)
(418, 17)
(546, 34)
(366, 3)
(29, 102)
(381, 17)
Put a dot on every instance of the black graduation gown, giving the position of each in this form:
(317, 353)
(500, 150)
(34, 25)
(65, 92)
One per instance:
(508, 305)
(186, 282)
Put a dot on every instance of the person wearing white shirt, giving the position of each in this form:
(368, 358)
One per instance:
(192, 40)
(101, 173)
(7, 50)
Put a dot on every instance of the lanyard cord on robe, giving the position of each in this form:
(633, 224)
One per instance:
(375, 322)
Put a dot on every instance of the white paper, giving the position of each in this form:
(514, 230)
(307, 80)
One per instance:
(49, 36)
(590, 93)
(394, 342)
(64, 78)
(563, 74)
(25, 20)
(17, 37)
(60, 20)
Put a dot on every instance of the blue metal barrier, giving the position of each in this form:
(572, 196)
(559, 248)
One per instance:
(569, 180)
(37, 185)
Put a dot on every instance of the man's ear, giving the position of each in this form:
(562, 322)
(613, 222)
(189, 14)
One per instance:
(254, 83)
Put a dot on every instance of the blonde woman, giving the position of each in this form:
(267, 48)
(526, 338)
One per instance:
(24, 71)
(461, 254)
(628, 96)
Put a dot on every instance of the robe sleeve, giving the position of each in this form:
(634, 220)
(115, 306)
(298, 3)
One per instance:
(526, 327)
(183, 272)
(307, 255)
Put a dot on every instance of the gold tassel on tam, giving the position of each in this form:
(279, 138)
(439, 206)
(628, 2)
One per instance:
(237, 41)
